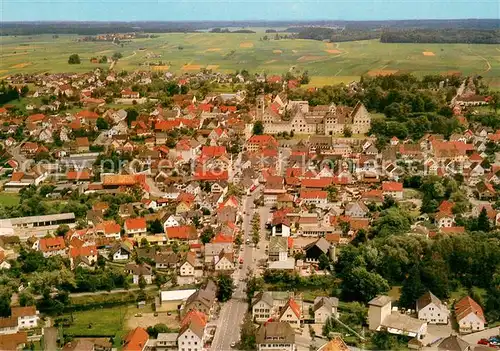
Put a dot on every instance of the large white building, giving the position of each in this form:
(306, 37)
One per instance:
(432, 310)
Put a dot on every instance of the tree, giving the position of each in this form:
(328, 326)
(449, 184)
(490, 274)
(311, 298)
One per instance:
(116, 56)
(101, 124)
(5, 297)
(254, 284)
(224, 287)
(26, 299)
(483, 222)
(62, 230)
(384, 341)
(131, 115)
(160, 279)
(248, 332)
(207, 235)
(412, 288)
(74, 59)
(347, 132)
(156, 227)
(324, 262)
(153, 331)
(103, 59)
(258, 128)
(361, 285)
(142, 283)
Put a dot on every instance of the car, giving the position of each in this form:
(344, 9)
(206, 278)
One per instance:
(169, 313)
(483, 342)
(233, 344)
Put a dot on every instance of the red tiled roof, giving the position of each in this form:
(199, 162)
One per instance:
(16, 176)
(135, 340)
(262, 140)
(211, 175)
(313, 194)
(78, 175)
(87, 114)
(392, 186)
(184, 232)
(119, 180)
(52, 244)
(316, 182)
(221, 238)
(195, 316)
(23, 311)
(135, 223)
(35, 118)
(85, 251)
(452, 230)
(213, 151)
(466, 306)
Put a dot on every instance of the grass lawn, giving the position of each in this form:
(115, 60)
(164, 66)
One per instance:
(7, 199)
(105, 321)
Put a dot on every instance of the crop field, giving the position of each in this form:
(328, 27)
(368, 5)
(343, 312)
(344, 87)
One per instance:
(327, 63)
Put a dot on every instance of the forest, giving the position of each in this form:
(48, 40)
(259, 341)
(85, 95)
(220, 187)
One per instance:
(336, 35)
(450, 36)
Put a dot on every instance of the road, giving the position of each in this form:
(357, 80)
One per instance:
(232, 312)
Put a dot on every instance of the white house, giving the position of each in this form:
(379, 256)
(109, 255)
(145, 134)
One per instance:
(469, 315)
(356, 210)
(224, 262)
(324, 308)
(314, 197)
(262, 307)
(187, 268)
(291, 314)
(280, 227)
(171, 221)
(135, 227)
(432, 310)
(27, 317)
(393, 189)
(121, 251)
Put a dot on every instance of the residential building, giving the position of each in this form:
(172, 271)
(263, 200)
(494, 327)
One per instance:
(291, 313)
(187, 268)
(138, 271)
(324, 308)
(192, 333)
(135, 340)
(469, 315)
(275, 336)
(135, 227)
(432, 310)
(51, 246)
(393, 189)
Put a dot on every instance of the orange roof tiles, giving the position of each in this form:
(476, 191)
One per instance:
(135, 340)
(135, 223)
(466, 306)
(392, 186)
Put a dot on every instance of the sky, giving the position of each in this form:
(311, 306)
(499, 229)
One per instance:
(222, 10)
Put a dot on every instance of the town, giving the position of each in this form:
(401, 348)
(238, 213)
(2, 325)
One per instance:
(218, 211)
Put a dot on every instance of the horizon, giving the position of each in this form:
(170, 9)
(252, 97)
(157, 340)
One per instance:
(255, 20)
(241, 10)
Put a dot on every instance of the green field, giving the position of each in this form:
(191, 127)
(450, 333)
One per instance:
(327, 63)
(7, 199)
(105, 321)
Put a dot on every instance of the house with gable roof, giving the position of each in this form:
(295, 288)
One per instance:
(469, 315)
(432, 310)
(192, 333)
(291, 313)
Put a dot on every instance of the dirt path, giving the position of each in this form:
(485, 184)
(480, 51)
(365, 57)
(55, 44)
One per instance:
(484, 59)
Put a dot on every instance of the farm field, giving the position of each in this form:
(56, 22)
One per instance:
(327, 63)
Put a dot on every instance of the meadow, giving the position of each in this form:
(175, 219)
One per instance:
(327, 63)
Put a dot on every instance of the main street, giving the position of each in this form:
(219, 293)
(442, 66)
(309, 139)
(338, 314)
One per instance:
(233, 311)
